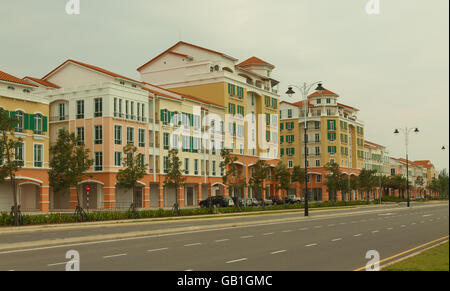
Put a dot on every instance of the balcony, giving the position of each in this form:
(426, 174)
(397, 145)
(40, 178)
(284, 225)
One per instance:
(59, 118)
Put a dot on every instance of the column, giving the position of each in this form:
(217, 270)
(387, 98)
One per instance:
(45, 198)
(109, 194)
(199, 193)
(73, 198)
(146, 197)
(161, 195)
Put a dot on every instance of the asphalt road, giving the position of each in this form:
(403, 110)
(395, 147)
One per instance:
(322, 242)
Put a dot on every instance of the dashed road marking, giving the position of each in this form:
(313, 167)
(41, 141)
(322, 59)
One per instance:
(235, 261)
(194, 244)
(114, 256)
(311, 245)
(278, 252)
(336, 239)
(157, 250)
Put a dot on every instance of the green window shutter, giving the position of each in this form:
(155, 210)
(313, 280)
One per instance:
(281, 139)
(44, 123)
(281, 126)
(26, 121)
(32, 123)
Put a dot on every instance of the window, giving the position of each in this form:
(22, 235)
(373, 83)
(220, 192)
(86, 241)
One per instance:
(186, 166)
(38, 155)
(289, 113)
(231, 90)
(317, 151)
(319, 179)
(317, 125)
(98, 161)
(142, 137)
(317, 137)
(80, 135)
(38, 124)
(98, 134)
(118, 134)
(166, 140)
(331, 124)
(118, 159)
(19, 116)
(331, 136)
(80, 109)
(19, 153)
(166, 165)
(328, 100)
(175, 141)
(214, 166)
(133, 117)
(240, 92)
(115, 107)
(62, 111)
(267, 119)
(130, 135)
(120, 108)
(196, 167)
(98, 107)
(319, 101)
(290, 164)
(127, 109)
(317, 163)
(332, 150)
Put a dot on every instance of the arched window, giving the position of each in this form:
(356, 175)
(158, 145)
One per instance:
(19, 116)
(38, 124)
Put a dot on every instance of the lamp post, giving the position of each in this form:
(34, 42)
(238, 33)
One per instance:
(304, 90)
(406, 131)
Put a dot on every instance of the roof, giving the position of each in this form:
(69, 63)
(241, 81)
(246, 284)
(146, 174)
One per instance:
(323, 92)
(43, 82)
(169, 50)
(98, 69)
(366, 142)
(12, 79)
(254, 61)
(426, 164)
(349, 107)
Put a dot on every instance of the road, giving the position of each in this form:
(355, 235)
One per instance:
(327, 240)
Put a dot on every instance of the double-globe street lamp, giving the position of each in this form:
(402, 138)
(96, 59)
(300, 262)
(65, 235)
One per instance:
(406, 131)
(304, 90)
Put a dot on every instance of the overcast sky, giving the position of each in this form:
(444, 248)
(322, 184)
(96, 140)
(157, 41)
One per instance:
(393, 66)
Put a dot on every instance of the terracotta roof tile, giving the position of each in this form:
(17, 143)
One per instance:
(43, 82)
(254, 61)
(10, 78)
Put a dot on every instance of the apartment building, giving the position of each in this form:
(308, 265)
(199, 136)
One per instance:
(376, 158)
(18, 97)
(246, 90)
(334, 135)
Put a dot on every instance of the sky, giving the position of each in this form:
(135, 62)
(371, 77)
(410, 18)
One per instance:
(393, 66)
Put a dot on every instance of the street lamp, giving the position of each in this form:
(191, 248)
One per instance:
(406, 131)
(304, 90)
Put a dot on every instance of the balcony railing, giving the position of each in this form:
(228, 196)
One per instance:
(59, 118)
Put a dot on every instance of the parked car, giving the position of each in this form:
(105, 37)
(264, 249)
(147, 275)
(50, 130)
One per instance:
(276, 200)
(265, 201)
(219, 201)
(293, 200)
(251, 202)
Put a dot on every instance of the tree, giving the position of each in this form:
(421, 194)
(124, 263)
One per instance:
(282, 175)
(69, 162)
(298, 175)
(260, 172)
(367, 181)
(174, 176)
(227, 165)
(134, 170)
(333, 180)
(9, 161)
(354, 186)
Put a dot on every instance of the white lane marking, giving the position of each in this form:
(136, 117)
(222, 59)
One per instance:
(189, 270)
(288, 230)
(375, 231)
(385, 214)
(235, 261)
(269, 233)
(114, 256)
(390, 228)
(311, 245)
(356, 213)
(278, 252)
(305, 228)
(157, 250)
(318, 226)
(56, 264)
(222, 240)
(194, 244)
(427, 215)
(247, 236)
(356, 235)
(402, 225)
(336, 239)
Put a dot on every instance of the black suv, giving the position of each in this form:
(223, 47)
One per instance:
(219, 201)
